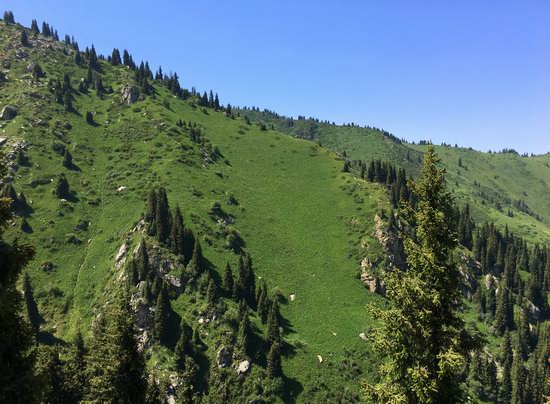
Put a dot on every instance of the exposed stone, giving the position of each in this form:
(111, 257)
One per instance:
(224, 357)
(8, 113)
(320, 358)
(130, 94)
(363, 336)
(243, 367)
(371, 282)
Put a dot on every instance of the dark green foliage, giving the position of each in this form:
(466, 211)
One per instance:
(67, 159)
(34, 27)
(228, 282)
(504, 315)
(37, 72)
(264, 303)
(116, 369)
(75, 369)
(52, 378)
(16, 356)
(245, 334)
(62, 189)
(141, 261)
(22, 158)
(184, 346)
(197, 264)
(274, 367)
(274, 324)
(162, 313)
(8, 17)
(90, 118)
(32, 308)
(158, 215)
(245, 285)
(422, 336)
(505, 392)
(115, 57)
(24, 38)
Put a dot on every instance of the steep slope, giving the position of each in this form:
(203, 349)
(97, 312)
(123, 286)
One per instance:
(306, 224)
(504, 188)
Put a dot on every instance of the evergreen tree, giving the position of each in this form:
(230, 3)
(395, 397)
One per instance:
(183, 346)
(228, 280)
(422, 336)
(518, 377)
(116, 368)
(176, 232)
(504, 315)
(16, 356)
(51, 375)
(24, 38)
(90, 118)
(32, 308)
(67, 159)
(506, 360)
(244, 334)
(62, 189)
(162, 312)
(115, 57)
(34, 27)
(8, 17)
(274, 367)
(197, 265)
(76, 382)
(274, 324)
(162, 219)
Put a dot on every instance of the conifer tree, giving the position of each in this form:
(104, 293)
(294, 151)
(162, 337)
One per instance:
(24, 38)
(176, 232)
(183, 346)
(244, 334)
(504, 315)
(422, 336)
(518, 377)
(505, 392)
(51, 376)
(76, 382)
(228, 280)
(273, 324)
(90, 118)
(62, 189)
(274, 367)
(67, 159)
(162, 312)
(34, 27)
(16, 341)
(8, 17)
(197, 266)
(116, 368)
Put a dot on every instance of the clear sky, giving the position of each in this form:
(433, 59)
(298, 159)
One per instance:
(471, 72)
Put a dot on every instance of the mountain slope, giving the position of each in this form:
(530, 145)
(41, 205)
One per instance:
(306, 224)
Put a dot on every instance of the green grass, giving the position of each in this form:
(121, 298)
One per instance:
(302, 220)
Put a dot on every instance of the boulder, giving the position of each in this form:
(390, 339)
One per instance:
(130, 94)
(8, 113)
(243, 367)
(224, 357)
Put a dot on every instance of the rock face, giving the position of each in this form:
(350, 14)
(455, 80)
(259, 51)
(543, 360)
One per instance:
(371, 282)
(8, 113)
(224, 357)
(130, 94)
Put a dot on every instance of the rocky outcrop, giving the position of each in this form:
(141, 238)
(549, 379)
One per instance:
(224, 357)
(368, 278)
(391, 243)
(8, 113)
(130, 94)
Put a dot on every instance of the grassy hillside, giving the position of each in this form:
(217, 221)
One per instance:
(492, 183)
(306, 224)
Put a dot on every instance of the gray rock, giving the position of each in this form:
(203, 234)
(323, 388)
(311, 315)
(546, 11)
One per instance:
(8, 113)
(130, 94)
(224, 357)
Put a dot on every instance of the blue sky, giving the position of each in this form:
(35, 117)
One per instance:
(470, 72)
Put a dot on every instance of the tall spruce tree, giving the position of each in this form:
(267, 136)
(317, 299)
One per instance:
(116, 368)
(16, 342)
(228, 280)
(421, 336)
